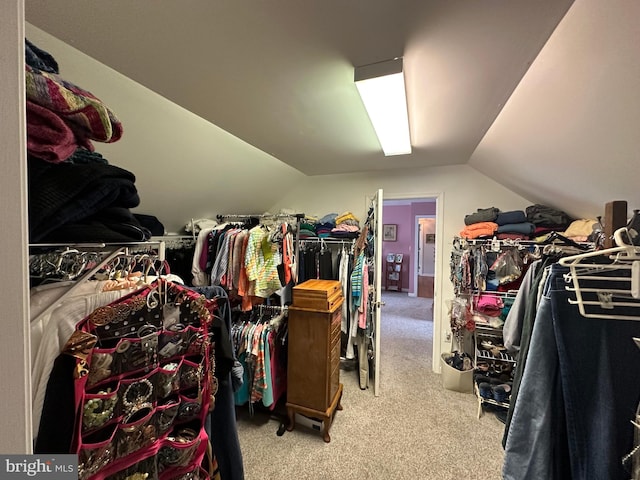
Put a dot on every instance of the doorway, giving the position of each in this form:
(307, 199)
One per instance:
(415, 223)
(426, 255)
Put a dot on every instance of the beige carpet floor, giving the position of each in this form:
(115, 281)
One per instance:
(415, 429)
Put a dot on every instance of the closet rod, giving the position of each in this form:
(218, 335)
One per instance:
(297, 216)
(132, 246)
(328, 240)
(85, 277)
(93, 244)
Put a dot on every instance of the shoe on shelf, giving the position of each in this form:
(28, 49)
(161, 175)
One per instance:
(501, 392)
(485, 390)
(482, 366)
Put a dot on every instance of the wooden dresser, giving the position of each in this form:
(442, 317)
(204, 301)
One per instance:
(313, 372)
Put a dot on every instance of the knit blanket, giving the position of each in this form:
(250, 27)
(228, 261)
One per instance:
(86, 114)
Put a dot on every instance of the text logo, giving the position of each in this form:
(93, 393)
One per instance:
(51, 467)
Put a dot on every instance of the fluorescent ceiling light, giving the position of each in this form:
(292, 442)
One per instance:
(381, 87)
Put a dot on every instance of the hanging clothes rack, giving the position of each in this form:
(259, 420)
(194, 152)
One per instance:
(112, 252)
(274, 216)
(618, 267)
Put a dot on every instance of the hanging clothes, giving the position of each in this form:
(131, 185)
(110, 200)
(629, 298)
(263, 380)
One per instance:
(260, 341)
(578, 392)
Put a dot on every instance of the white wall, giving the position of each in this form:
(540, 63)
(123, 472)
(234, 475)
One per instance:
(461, 190)
(185, 166)
(15, 421)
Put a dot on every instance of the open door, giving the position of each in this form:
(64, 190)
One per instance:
(376, 304)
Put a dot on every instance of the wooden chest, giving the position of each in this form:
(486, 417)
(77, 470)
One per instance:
(321, 295)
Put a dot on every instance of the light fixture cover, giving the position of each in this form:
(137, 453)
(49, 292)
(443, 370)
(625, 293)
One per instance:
(381, 87)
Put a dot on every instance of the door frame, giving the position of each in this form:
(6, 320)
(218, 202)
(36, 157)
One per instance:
(439, 318)
(416, 248)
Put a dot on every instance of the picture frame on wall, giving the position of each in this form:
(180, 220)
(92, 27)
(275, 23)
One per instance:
(389, 232)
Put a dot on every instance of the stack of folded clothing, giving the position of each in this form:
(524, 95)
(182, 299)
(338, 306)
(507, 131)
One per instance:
(514, 225)
(326, 224)
(481, 223)
(74, 194)
(547, 219)
(347, 226)
(307, 230)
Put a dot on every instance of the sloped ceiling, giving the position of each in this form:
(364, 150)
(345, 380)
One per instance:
(540, 96)
(570, 133)
(279, 74)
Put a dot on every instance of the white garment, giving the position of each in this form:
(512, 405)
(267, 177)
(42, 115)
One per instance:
(199, 276)
(44, 296)
(55, 328)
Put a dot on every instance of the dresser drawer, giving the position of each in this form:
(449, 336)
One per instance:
(334, 381)
(336, 323)
(335, 354)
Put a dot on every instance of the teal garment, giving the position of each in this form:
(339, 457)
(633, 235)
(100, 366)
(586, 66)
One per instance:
(267, 394)
(242, 395)
(356, 281)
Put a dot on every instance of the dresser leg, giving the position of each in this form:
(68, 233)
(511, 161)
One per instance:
(325, 433)
(292, 419)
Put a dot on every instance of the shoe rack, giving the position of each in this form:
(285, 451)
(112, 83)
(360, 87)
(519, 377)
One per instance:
(493, 364)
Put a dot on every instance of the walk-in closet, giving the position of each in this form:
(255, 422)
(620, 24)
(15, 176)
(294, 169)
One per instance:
(216, 267)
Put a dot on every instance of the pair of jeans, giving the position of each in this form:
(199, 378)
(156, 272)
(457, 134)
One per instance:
(579, 391)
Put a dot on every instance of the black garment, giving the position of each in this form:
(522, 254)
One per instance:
(325, 265)
(151, 223)
(221, 423)
(310, 262)
(55, 433)
(222, 430)
(82, 155)
(545, 216)
(67, 193)
(39, 59)
(111, 224)
(181, 260)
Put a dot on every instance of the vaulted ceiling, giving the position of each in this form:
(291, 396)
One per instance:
(540, 96)
(279, 74)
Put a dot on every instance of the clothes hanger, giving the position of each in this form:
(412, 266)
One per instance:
(554, 237)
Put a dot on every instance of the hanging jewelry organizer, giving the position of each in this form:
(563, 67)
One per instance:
(144, 377)
(144, 383)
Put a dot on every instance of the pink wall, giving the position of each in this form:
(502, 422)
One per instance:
(404, 217)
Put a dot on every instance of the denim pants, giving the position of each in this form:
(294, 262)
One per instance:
(580, 389)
